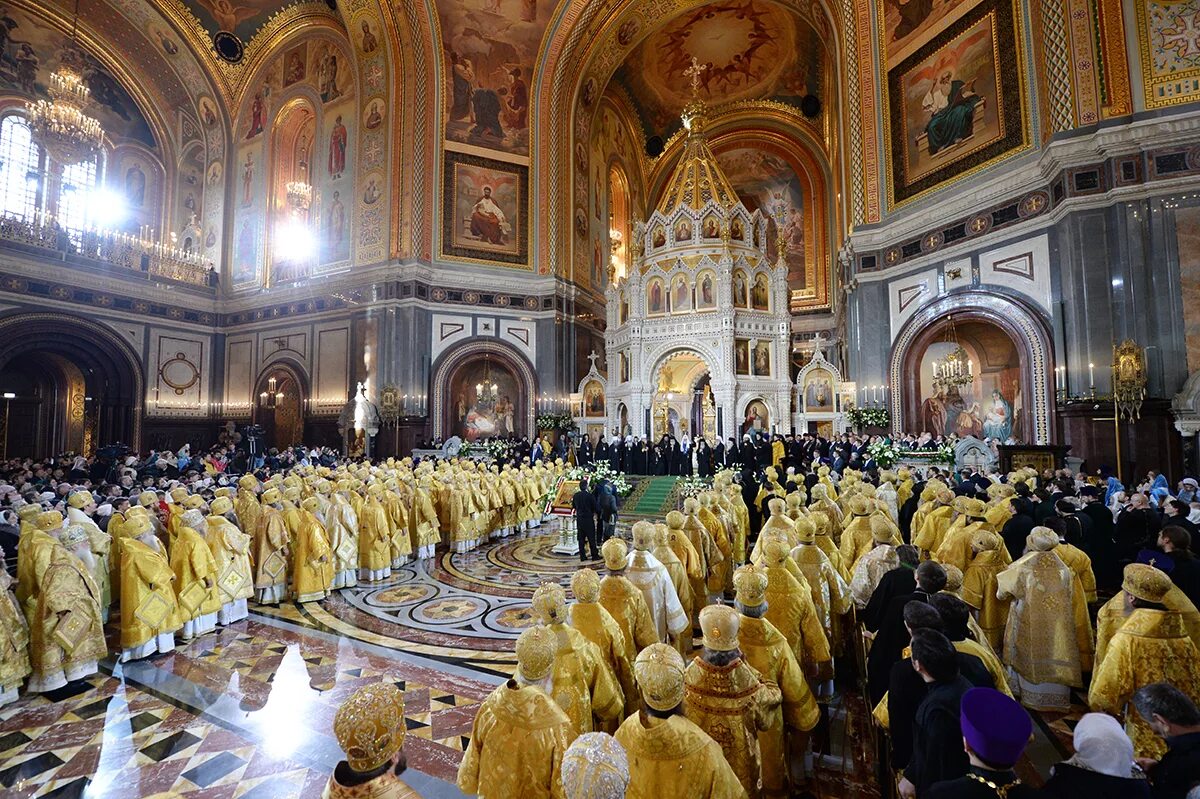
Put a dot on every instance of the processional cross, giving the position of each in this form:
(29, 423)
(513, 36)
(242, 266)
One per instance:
(593, 357)
(694, 72)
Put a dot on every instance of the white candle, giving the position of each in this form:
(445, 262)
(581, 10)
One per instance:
(1092, 375)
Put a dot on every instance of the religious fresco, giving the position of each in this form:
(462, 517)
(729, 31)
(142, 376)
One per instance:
(761, 179)
(706, 291)
(242, 18)
(656, 296)
(335, 176)
(32, 49)
(751, 49)
(956, 103)
(908, 25)
(1170, 48)
(474, 415)
(484, 209)
(490, 49)
(988, 407)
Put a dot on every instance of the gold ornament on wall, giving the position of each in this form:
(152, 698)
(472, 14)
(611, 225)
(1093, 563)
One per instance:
(1129, 379)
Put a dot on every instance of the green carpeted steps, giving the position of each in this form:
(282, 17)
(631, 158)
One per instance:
(651, 496)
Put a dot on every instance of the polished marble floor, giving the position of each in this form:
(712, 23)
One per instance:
(247, 711)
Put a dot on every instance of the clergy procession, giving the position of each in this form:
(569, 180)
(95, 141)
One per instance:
(697, 656)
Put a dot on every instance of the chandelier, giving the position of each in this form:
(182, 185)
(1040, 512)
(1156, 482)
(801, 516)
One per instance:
(956, 369)
(61, 124)
(299, 195)
(272, 396)
(487, 391)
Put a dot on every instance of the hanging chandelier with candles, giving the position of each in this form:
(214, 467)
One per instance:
(61, 125)
(487, 391)
(956, 369)
(272, 396)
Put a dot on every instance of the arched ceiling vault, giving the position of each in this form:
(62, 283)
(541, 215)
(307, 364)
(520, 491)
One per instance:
(599, 36)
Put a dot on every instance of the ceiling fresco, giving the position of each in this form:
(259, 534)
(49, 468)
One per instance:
(749, 50)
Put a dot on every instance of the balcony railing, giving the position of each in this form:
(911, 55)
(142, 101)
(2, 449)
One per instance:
(137, 254)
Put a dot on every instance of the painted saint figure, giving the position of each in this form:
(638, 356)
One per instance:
(951, 108)
(337, 148)
(998, 421)
(488, 221)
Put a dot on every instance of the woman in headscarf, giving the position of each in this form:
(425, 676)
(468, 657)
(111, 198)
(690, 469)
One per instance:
(1159, 491)
(1114, 487)
(1102, 766)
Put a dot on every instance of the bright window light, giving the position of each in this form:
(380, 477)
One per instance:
(294, 242)
(106, 209)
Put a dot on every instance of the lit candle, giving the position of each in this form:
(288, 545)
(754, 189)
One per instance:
(1092, 375)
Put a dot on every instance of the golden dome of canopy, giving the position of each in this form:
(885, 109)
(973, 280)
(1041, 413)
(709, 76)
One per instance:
(698, 178)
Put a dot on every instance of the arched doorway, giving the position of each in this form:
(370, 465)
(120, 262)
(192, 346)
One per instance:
(280, 399)
(678, 402)
(74, 385)
(1008, 347)
(483, 390)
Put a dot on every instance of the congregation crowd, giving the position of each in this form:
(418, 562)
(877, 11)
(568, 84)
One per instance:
(961, 601)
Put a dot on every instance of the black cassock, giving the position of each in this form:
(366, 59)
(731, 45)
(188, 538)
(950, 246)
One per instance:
(602, 450)
(639, 458)
(663, 458)
(630, 456)
(584, 453)
(704, 466)
(718, 455)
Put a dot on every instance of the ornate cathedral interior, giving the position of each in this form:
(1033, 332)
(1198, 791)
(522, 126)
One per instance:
(528, 399)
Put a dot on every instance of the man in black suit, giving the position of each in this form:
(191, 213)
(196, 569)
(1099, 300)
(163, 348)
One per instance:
(584, 504)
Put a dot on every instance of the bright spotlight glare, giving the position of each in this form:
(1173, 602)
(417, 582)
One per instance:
(294, 242)
(106, 209)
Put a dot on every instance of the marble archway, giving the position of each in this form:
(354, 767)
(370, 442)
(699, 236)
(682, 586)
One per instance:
(1024, 328)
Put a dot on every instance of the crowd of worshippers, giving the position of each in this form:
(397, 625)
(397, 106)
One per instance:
(179, 563)
(754, 451)
(610, 697)
(918, 581)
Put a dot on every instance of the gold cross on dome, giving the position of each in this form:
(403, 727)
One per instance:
(694, 72)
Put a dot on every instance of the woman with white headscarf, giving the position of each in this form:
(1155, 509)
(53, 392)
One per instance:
(1102, 766)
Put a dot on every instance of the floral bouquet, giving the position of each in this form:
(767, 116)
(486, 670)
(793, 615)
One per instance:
(869, 417)
(884, 453)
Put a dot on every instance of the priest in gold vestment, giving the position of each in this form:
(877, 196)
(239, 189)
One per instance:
(768, 652)
(374, 542)
(149, 608)
(66, 635)
(195, 577)
(581, 682)
(830, 593)
(670, 757)
(341, 525)
(520, 734)
(624, 600)
(270, 551)
(790, 608)
(370, 729)
(874, 564)
(231, 551)
(80, 507)
(727, 698)
(979, 586)
(14, 639)
(1048, 639)
(1151, 646)
(679, 578)
(597, 625)
(312, 558)
(37, 544)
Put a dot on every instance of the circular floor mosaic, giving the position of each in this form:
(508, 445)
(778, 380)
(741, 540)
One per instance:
(466, 606)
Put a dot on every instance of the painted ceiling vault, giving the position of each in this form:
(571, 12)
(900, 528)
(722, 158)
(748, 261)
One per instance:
(747, 50)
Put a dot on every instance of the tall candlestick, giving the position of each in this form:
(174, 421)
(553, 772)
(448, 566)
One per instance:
(1092, 376)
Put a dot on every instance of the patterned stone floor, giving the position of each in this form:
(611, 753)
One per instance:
(247, 711)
